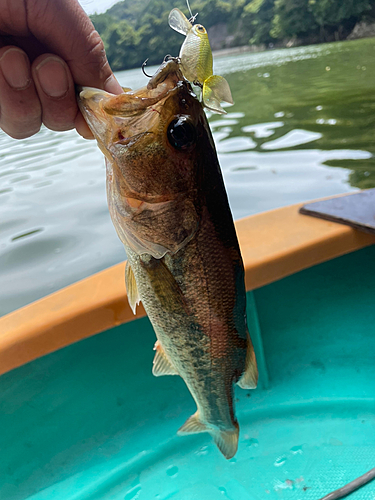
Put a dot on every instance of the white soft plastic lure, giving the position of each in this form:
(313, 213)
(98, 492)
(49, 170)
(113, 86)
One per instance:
(196, 62)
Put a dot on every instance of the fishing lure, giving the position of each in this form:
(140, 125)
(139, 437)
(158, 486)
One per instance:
(196, 61)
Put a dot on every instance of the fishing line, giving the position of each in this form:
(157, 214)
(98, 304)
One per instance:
(352, 486)
(192, 18)
(188, 6)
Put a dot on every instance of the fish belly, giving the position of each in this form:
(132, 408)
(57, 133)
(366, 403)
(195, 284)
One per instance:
(192, 318)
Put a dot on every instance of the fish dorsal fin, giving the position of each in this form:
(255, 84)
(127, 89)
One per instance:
(193, 425)
(179, 22)
(131, 287)
(227, 441)
(249, 377)
(216, 90)
(162, 365)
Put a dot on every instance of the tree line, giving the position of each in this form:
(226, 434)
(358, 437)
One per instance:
(136, 30)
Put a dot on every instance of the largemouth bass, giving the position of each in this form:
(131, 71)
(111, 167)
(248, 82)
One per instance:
(169, 206)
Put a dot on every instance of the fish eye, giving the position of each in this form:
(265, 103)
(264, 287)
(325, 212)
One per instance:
(181, 133)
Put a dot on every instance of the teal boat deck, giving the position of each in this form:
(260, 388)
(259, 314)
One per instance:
(90, 422)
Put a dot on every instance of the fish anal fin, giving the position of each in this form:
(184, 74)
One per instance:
(249, 378)
(193, 425)
(131, 287)
(162, 365)
(227, 441)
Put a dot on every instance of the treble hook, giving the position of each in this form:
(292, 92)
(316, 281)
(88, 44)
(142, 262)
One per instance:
(143, 69)
(168, 57)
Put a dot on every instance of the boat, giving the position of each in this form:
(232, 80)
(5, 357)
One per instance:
(82, 417)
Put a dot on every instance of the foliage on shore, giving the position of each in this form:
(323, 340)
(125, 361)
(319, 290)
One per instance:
(134, 30)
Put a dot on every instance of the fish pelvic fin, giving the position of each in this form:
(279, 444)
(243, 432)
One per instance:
(249, 378)
(162, 365)
(216, 90)
(193, 425)
(131, 288)
(227, 441)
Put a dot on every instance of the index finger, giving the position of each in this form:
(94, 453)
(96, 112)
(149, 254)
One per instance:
(64, 27)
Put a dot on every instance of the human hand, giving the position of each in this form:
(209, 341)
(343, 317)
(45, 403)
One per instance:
(46, 47)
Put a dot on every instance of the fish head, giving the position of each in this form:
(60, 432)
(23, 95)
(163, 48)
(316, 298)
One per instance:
(153, 140)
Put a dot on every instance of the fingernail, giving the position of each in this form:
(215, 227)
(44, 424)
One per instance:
(112, 86)
(53, 77)
(16, 68)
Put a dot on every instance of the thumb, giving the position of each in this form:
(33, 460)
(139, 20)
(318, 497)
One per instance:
(64, 27)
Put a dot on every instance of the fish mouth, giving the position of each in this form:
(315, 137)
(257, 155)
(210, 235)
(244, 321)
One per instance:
(120, 118)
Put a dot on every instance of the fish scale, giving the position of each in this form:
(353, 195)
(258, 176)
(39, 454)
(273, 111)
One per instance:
(168, 203)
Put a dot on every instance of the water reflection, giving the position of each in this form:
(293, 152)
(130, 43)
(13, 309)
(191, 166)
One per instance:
(293, 138)
(302, 127)
(262, 130)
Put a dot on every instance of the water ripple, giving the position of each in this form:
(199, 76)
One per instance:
(293, 138)
(296, 132)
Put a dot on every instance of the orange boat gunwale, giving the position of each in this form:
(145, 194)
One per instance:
(274, 245)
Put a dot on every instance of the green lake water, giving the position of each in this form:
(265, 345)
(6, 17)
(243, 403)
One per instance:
(302, 127)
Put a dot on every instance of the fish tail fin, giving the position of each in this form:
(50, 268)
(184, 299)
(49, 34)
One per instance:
(193, 425)
(227, 441)
(215, 90)
(249, 378)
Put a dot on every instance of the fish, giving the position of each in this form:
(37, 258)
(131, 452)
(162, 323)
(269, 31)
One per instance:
(197, 62)
(169, 206)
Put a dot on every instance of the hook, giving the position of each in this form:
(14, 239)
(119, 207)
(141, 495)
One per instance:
(143, 69)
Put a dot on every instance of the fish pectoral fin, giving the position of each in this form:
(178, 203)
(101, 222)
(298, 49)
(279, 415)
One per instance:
(249, 378)
(227, 441)
(193, 425)
(166, 288)
(162, 365)
(216, 90)
(131, 288)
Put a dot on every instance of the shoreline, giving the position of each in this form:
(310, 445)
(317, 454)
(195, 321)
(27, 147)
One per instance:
(240, 50)
(361, 30)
